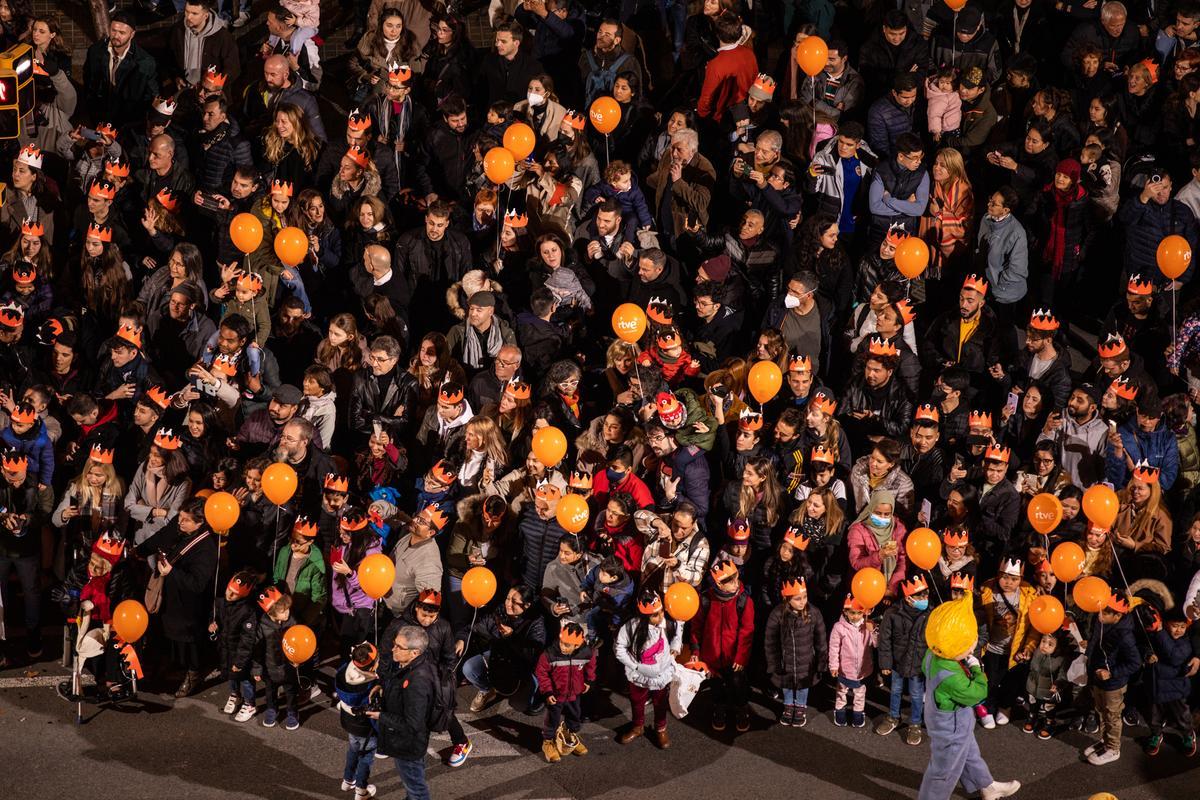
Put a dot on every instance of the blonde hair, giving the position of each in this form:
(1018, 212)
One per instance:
(303, 138)
(493, 444)
(952, 160)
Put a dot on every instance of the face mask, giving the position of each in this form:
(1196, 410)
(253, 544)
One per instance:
(880, 522)
(856, 623)
(535, 99)
(937, 396)
(921, 605)
(791, 301)
(614, 477)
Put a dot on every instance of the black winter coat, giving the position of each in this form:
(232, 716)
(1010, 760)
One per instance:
(126, 100)
(902, 639)
(407, 702)
(236, 626)
(267, 649)
(540, 538)
(989, 345)
(367, 407)
(187, 589)
(796, 650)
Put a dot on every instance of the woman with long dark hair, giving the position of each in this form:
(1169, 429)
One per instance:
(159, 487)
(388, 41)
(816, 248)
(183, 264)
(104, 277)
(449, 58)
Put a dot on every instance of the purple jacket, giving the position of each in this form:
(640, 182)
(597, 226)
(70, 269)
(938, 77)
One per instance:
(347, 594)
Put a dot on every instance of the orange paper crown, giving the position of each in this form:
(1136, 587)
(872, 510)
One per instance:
(575, 120)
(907, 312)
(955, 537)
(739, 530)
(518, 389)
(282, 187)
(798, 363)
(979, 419)
(723, 570)
(117, 167)
(750, 420)
(914, 585)
(1043, 320)
(927, 412)
(1125, 389)
(336, 483)
(225, 364)
(670, 410)
(24, 414)
(823, 403)
(167, 199)
(580, 479)
(23, 273)
(572, 635)
(100, 232)
(268, 597)
(217, 79)
(796, 538)
(669, 337)
(109, 547)
(514, 219)
(976, 283)
(359, 156)
(659, 311)
(1118, 602)
(240, 586)
(960, 580)
(358, 121)
(1146, 473)
(1112, 346)
(997, 452)
(107, 129)
(305, 527)
(451, 394)
(11, 315)
(547, 490)
(166, 439)
(430, 597)
(791, 588)
(130, 334)
(764, 83)
(1139, 285)
(102, 190)
(852, 604)
(157, 395)
(883, 348)
(400, 73)
(15, 462)
(444, 473)
(101, 454)
(353, 520)
(250, 281)
(31, 227)
(822, 455)
(895, 235)
(651, 606)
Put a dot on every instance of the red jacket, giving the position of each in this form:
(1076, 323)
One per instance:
(727, 80)
(723, 638)
(563, 677)
(632, 484)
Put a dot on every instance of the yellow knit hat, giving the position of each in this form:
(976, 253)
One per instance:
(952, 631)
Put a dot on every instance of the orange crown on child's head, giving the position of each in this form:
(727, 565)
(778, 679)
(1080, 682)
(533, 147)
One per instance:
(451, 394)
(821, 454)
(101, 233)
(24, 414)
(791, 588)
(167, 199)
(796, 538)
(400, 73)
(659, 311)
(24, 273)
(823, 403)
(336, 483)
(575, 120)
(282, 187)
(250, 281)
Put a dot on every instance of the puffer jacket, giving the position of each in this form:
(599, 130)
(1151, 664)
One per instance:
(311, 592)
(1046, 671)
(851, 650)
(864, 551)
(1158, 447)
(795, 647)
(219, 153)
(720, 632)
(346, 595)
(540, 539)
(1024, 638)
(902, 639)
(407, 701)
(236, 626)
(1171, 681)
(886, 121)
(268, 648)
(1145, 225)
(654, 667)
(1113, 648)
(565, 677)
(34, 443)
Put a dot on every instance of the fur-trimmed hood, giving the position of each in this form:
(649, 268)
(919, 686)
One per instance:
(473, 281)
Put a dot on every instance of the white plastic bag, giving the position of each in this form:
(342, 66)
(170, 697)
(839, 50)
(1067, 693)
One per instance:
(684, 685)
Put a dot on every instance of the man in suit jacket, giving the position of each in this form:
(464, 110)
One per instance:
(119, 78)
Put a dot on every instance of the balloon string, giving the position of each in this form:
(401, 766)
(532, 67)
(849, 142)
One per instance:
(1125, 581)
(467, 643)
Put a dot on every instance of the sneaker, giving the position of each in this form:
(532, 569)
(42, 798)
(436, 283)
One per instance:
(839, 717)
(232, 704)
(1001, 718)
(359, 794)
(785, 717)
(245, 713)
(1103, 757)
(1092, 749)
(1188, 745)
(1130, 716)
(988, 722)
(1028, 727)
(483, 700)
(718, 718)
(536, 707)
(858, 719)
(460, 753)
(742, 719)
(1091, 723)
(314, 692)
(799, 717)
(997, 789)
(887, 725)
(1043, 733)
(269, 718)
(381, 756)
(292, 723)
(913, 735)
(1154, 744)
(242, 18)
(347, 785)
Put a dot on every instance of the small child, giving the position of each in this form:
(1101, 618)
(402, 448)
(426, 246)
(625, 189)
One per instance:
(737, 548)
(353, 686)
(795, 648)
(235, 622)
(671, 356)
(901, 654)
(276, 671)
(248, 300)
(321, 406)
(850, 661)
(565, 671)
(944, 105)
(609, 590)
(621, 185)
(568, 292)
(1175, 663)
(647, 646)
(1112, 661)
(1047, 672)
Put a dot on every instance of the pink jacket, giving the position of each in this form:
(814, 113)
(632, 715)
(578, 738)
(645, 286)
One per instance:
(944, 109)
(851, 650)
(864, 551)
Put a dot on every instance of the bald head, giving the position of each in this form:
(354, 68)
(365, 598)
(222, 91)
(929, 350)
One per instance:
(377, 260)
(277, 72)
(508, 361)
(161, 156)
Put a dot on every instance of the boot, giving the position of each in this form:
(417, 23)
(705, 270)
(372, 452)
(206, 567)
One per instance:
(574, 746)
(191, 683)
(662, 739)
(631, 735)
(550, 751)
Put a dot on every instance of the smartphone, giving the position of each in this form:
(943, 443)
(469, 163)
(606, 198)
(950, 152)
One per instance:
(335, 555)
(1011, 402)
(927, 510)
(376, 427)
(89, 134)
(1112, 425)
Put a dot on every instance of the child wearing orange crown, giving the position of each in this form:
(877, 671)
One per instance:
(796, 650)
(235, 618)
(96, 586)
(26, 434)
(646, 647)
(669, 353)
(30, 291)
(852, 643)
(901, 653)
(565, 671)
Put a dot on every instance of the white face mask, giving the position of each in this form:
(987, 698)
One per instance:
(791, 301)
(535, 99)
(857, 623)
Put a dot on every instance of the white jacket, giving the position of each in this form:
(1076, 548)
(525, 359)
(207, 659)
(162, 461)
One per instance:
(649, 676)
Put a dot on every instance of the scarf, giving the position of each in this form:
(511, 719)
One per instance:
(882, 535)
(193, 47)
(472, 354)
(572, 402)
(156, 486)
(96, 590)
(1056, 243)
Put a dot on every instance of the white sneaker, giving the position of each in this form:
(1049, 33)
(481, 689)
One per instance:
(364, 793)
(1102, 757)
(1001, 719)
(314, 692)
(988, 721)
(380, 756)
(347, 785)
(998, 789)
(245, 713)
(232, 704)
(242, 18)
(1094, 747)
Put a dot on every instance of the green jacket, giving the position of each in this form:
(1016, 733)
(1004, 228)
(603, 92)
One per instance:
(695, 413)
(958, 690)
(312, 585)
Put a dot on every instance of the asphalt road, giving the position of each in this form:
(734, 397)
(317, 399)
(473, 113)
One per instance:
(189, 749)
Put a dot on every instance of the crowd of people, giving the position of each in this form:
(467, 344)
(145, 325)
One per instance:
(438, 320)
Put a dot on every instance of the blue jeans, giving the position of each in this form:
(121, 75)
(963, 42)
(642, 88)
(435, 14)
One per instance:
(27, 574)
(243, 688)
(795, 697)
(295, 285)
(916, 692)
(360, 755)
(475, 670)
(412, 774)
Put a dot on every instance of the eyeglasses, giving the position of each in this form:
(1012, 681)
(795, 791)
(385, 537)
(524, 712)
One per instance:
(504, 363)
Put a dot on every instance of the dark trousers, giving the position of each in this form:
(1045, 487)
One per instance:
(733, 688)
(557, 713)
(639, 696)
(1000, 681)
(455, 729)
(1174, 713)
(289, 692)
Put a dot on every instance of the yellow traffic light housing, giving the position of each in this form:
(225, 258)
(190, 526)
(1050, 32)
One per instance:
(16, 89)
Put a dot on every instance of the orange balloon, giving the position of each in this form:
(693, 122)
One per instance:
(376, 574)
(682, 602)
(279, 482)
(299, 644)
(1067, 561)
(956, 5)
(221, 511)
(605, 114)
(764, 380)
(130, 620)
(868, 587)
(519, 140)
(912, 256)
(478, 586)
(246, 232)
(1091, 593)
(811, 55)
(1100, 505)
(1174, 255)
(572, 513)
(498, 165)
(629, 322)
(923, 547)
(291, 245)
(549, 445)
(1044, 512)
(1046, 614)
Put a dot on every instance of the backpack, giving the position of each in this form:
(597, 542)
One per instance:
(600, 81)
(445, 698)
